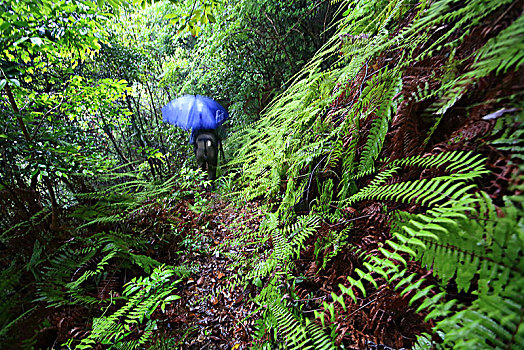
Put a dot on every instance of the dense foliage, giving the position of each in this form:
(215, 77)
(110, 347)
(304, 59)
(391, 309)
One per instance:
(398, 150)
(245, 58)
(372, 195)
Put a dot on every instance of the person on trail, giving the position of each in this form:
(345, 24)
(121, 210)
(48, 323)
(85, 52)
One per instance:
(206, 143)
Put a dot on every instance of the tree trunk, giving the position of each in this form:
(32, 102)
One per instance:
(54, 205)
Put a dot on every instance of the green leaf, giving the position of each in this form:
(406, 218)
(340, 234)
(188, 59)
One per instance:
(37, 41)
(348, 291)
(114, 3)
(21, 24)
(258, 282)
(421, 294)
(172, 298)
(15, 82)
(3, 82)
(5, 26)
(366, 276)
(91, 4)
(21, 40)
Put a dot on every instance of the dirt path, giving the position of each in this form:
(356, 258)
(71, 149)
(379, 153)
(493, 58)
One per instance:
(213, 312)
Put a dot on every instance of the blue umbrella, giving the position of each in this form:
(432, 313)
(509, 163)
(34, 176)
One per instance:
(194, 112)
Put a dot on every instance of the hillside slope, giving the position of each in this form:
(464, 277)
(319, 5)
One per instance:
(392, 171)
(376, 204)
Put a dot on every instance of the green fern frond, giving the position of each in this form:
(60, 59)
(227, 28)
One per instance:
(512, 134)
(287, 243)
(455, 233)
(318, 337)
(454, 19)
(461, 165)
(379, 126)
(295, 334)
(290, 240)
(493, 56)
(73, 272)
(467, 241)
(143, 296)
(332, 244)
(36, 219)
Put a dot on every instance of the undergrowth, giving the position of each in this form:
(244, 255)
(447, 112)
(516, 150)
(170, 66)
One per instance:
(108, 268)
(391, 175)
(363, 146)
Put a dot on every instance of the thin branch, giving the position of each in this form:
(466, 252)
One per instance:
(12, 101)
(190, 14)
(49, 185)
(44, 116)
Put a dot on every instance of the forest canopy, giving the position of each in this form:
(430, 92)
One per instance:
(370, 196)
